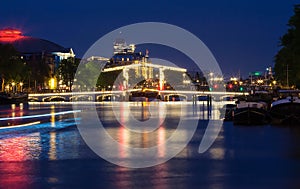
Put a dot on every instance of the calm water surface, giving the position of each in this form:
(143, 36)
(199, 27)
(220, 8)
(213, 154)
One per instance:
(48, 152)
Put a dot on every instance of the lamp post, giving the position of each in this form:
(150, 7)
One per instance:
(13, 86)
(7, 88)
(21, 86)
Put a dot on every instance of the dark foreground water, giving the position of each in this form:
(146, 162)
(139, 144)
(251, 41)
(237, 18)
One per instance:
(52, 154)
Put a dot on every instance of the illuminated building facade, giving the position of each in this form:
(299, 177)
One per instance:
(34, 50)
(138, 67)
(125, 55)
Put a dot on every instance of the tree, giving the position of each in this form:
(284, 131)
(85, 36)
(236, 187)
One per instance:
(108, 78)
(12, 68)
(66, 70)
(87, 75)
(39, 71)
(287, 60)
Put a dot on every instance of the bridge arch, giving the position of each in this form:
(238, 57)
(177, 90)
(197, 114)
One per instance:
(54, 99)
(84, 97)
(175, 97)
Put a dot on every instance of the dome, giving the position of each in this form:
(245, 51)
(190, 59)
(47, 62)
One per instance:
(36, 45)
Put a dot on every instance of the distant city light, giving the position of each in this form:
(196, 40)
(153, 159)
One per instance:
(255, 73)
(260, 81)
(217, 79)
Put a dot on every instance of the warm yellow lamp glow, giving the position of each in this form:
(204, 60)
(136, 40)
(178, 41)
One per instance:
(21, 86)
(52, 83)
(260, 81)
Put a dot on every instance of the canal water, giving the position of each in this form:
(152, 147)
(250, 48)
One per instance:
(42, 148)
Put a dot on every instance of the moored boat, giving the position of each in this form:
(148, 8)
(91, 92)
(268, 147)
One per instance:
(286, 109)
(251, 113)
(144, 95)
(227, 112)
(13, 98)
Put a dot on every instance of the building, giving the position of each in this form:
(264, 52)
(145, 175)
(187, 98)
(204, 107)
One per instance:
(35, 50)
(120, 47)
(125, 55)
(138, 71)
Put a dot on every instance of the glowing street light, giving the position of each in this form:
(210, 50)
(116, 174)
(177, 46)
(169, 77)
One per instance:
(13, 86)
(21, 86)
(260, 81)
(7, 88)
(52, 83)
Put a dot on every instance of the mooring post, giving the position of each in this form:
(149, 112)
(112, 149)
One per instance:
(203, 110)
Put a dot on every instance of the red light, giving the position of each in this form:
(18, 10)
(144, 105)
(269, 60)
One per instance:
(17, 32)
(161, 88)
(10, 35)
(215, 86)
(230, 86)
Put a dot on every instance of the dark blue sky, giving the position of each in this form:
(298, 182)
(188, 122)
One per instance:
(242, 34)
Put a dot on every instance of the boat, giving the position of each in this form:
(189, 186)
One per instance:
(13, 98)
(286, 109)
(144, 95)
(251, 113)
(227, 112)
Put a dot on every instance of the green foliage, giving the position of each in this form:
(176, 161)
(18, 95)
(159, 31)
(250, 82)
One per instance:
(12, 68)
(108, 79)
(288, 57)
(66, 70)
(87, 75)
(39, 70)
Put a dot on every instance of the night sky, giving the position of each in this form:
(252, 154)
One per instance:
(243, 35)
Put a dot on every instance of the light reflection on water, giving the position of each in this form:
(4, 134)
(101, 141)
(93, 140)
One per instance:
(54, 140)
(53, 154)
(20, 148)
(21, 141)
(49, 140)
(52, 149)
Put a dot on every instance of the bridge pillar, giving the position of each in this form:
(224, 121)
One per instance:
(126, 78)
(161, 78)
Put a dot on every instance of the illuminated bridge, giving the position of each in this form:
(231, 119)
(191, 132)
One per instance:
(120, 95)
(145, 70)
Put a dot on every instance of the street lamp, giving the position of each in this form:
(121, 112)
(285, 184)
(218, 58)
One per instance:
(21, 86)
(13, 86)
(7, 88)
(52, 83)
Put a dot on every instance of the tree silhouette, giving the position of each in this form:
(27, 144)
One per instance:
(287, 60)
(12, 67)
(66, 70)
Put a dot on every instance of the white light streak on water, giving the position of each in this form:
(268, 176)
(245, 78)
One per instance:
(40, 115)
